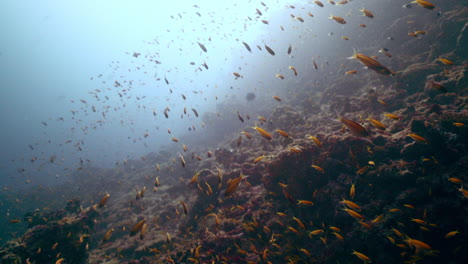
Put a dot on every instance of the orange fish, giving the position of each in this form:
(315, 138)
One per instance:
(282, 133)
(263, 133)
(104, 200)
(417, 138)
(367, 13)
(377, 124)
(372, 64)
(355, 128)
(233, 185)
(424, 4)
(338, 19)
(318, 168)
(137, 227)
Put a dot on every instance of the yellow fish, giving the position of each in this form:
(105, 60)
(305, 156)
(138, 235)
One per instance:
(233, 185)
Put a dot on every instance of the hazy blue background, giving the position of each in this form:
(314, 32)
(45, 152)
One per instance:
(53, 53)
(50, 49)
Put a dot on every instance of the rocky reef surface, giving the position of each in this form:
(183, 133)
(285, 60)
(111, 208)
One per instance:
(61, 235)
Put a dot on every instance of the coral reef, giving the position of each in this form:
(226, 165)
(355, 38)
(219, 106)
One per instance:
(62, 234)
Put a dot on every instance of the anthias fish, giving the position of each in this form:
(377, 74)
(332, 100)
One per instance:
(355, 128)
(372, 64)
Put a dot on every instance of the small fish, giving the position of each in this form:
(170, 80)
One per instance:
(182, 160)
(185, 207)
(209, 190)
(107, 235)
(445, 61)
(299, 222)
(233, 185)
(377, 219)
(338, 236)
(318, 168)
(417, 244)
(318, 3)
(417, 138)
(258, 12)
(352, 191)
(59, 261)
(316, 232)
(355, 128)
(338, 19)
(282, 133)
(384, 51)
(54, 246)
(345, 38)
(289, 48)
(293, 69)
(351, 204)
(237, 74)
(419, 221)
(382, 102)
(279, 76)
(392, 116)
(362, 170)
(202, 47)
(372, 64)
(247, 134)
(424, 4)
(300, 19)
(259, 159)
(288, 196)
(156, 182)
(361, 256)
(458, 124)
(263, 133)
(315, 65)
(220, 177)
(247, 46)
(362, 25)
(143, 231)
(295, 149)
(353, 213)
(137, 227)
(367, 13)
(464, 192)
(455, 180)
(352, 72)
(265, 22)
(377, 124)
(305, 202)
(277, 98)
(103, 200)
(305, 251)
(451, 234)
(269, 50)
(240, 117)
